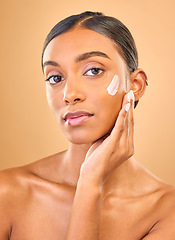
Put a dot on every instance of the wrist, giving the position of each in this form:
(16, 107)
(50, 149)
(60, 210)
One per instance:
(90, 174)
(90, 183)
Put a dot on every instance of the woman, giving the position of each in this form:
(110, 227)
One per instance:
(95, 190)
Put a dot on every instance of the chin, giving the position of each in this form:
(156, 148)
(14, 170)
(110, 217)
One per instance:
(81, 139)
(86, 137)
(85, 133)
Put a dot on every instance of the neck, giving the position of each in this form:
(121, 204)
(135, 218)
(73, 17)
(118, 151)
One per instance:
(121, 179)
(73, 159)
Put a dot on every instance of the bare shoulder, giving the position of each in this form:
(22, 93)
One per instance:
(27, 191)
(163, 214)
(18, 179)
(11, 190)
(160, 193)
(166, 202)
(16, 183)
(8, 182)
(18, 187)
(12, 183)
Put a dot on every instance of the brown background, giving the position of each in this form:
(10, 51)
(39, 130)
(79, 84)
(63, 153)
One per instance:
(28, 129)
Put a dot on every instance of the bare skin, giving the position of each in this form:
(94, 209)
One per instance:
(95, 190)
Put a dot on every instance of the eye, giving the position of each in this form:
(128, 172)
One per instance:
(54, 79)
(93, 71)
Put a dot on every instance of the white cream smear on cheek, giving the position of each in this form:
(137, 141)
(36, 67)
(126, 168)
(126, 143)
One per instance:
(113, 86)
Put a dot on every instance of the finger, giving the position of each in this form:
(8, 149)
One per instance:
(131, 126)
(94, 147)
(123, 113)
(127, 98)
(120, 124)
(127, 138)
(129, 117)
(125, 134)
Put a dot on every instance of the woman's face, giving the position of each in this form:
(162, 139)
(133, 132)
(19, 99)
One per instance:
(79, 65)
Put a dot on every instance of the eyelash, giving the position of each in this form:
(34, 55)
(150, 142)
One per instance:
(60, 78)
(96, 69)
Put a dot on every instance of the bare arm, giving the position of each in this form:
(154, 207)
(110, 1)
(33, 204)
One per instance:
(85, 216)
(102, 158)
(165, 225)
(5, 208)
(165, 229)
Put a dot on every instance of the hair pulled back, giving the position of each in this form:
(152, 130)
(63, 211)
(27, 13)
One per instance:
(105, 25)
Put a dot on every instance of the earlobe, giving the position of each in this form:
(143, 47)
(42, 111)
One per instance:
(138, 83)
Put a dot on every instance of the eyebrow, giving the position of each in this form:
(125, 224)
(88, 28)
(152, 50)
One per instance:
(52, 63)
(87, 55)
(80, 58)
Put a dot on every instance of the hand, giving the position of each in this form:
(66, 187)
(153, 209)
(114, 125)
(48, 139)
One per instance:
(106, 154)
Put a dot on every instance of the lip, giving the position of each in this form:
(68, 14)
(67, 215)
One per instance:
(77, 118)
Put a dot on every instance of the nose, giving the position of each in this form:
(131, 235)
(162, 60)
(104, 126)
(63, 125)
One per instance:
(73, 92)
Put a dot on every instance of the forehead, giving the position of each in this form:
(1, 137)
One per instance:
(78, 41)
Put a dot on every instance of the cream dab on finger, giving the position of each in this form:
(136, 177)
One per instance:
(113, 86)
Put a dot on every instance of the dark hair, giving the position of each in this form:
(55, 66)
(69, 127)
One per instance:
(105, 25)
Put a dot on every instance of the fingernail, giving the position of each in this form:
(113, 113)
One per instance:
(127, 107)
(132, 95)
(129, 96)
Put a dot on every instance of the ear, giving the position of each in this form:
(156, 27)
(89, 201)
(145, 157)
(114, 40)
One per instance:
(138, 83)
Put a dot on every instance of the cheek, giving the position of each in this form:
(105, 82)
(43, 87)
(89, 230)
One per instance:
(108, 107)
(115, 109)
(116, 91)
(112, 107)
(53, 99)
(113, 87)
